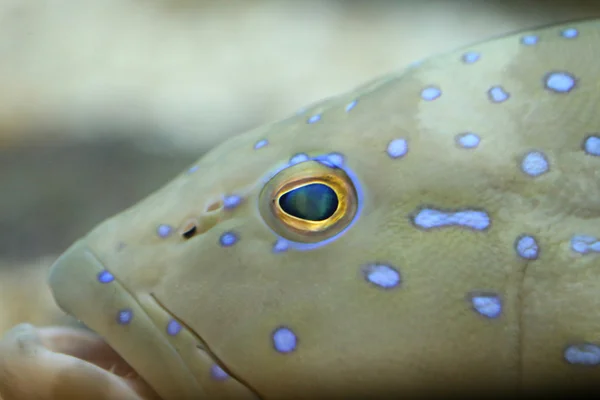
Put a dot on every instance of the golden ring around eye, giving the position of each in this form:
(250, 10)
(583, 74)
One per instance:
(308, 202)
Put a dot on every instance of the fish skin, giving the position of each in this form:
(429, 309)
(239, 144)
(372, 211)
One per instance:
(494, 289)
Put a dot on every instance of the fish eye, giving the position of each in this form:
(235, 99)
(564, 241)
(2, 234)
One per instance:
(308, 202)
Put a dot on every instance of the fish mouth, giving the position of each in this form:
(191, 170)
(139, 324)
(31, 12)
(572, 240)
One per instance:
(165, 354)
(66, 362)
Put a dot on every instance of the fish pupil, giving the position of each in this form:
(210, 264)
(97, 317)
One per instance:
(313, 202)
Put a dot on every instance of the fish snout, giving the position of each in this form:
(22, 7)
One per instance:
(160, 347)
(84, 288)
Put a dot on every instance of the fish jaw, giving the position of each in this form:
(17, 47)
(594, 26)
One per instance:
(74, 281)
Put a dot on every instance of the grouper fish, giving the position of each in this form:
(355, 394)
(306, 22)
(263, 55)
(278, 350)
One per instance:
(434, 230)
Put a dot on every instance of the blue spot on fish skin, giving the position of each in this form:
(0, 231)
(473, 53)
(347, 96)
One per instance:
(415, 64)
(218, 373)
(535, 164)
(431, 93)
(486, 304)
(105, 277)
(260, 144)
(332, 160)
(351, 105)
(193, 169)
(228, 239)
(173, 327)
(124, 316)
(231, 201)
(314, 118)
(336, 159)
(429, 218)
(164, 230)
(382, 275)
(397, 148)
(591, 145)
(497, 94)
(527, 247)
(471, 57)
(298, 158)
(586, 354)
(559, 82)
(468, 140)
(585, 244)
(284, 340)
(280, 246)
(570, 33)
(530, 40)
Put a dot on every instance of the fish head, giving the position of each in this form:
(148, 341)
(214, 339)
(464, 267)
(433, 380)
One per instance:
(377, 240)
(210, 286)
(271, 262)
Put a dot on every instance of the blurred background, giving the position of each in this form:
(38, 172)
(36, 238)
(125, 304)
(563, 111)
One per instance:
(103, 101)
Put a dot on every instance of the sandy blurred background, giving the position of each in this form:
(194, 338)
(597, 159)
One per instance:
(103, 101)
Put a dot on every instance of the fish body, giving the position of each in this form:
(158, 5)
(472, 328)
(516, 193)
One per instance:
(463, 251)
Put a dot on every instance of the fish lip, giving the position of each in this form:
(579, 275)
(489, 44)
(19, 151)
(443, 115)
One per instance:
(163, 367)
(201, 343)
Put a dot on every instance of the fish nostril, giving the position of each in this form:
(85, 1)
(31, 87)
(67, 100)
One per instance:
(194, 227)
(190, 229)
(189, 232)
(210, 218)
(214, 206)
